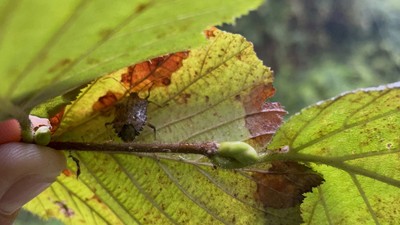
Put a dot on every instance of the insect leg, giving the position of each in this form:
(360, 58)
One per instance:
(154, 129)
(78, 166)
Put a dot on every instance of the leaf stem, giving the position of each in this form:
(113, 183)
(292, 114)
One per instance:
(206, 148)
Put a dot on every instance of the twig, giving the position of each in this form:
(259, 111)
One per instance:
(206, 148)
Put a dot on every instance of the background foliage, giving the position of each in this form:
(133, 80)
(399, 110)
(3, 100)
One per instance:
(319, 49)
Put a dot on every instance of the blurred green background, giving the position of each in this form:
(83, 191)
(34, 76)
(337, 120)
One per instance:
(318, 49)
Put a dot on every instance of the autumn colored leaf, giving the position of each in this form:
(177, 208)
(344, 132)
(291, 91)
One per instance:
(212, 96)
(62, 45)
(284, 184)
(142, 77)
(353, 140)
(154, 72)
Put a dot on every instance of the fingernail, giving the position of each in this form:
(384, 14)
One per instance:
(22, 192)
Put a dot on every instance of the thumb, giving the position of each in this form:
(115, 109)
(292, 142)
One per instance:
(25, 171)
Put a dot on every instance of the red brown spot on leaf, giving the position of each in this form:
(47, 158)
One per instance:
(263, 124)
(183, 98)
(56, 120)
(153, 73)
(262, 118)
(284, 184)
(106, 101)
(258, 95)
(166, 81)
(68, 172)
(210, 32)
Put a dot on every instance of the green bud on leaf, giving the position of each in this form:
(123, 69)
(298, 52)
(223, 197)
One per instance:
(235, 154)
(42, 135)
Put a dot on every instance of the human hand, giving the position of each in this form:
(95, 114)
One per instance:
(25, 169)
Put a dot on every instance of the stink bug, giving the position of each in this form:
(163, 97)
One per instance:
(131, 112)
(131, 117)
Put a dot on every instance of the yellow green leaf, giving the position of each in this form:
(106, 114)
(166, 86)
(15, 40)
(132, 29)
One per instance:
(354, 141)
(208, 98)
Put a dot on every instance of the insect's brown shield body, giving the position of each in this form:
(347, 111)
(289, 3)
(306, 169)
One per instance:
(130, 117)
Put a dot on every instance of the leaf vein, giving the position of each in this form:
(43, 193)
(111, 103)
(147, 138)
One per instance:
(364, 197)
(82, 162)
(72, 195)
(142, 191)
(344, 128)
(187, 194)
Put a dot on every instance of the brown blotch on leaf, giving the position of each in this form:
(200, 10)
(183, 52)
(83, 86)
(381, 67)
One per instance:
(183, 98)
(68, 172)
(56, 120)
(153, 73)
(262, 118)
(104, 33)
(210, 32)
(166, 81)
(263, 124)
(141, 7)
(238, 98)
(284, 184)
(64, 209)
(59, 65)
(258, 95)
(106, 101)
